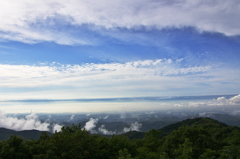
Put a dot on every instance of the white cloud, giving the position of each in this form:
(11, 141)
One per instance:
(235, 99)
(28, 123)
(104, 131)
(133, 127)
(35, 21)
(82, 75)
(220, 101)
(232, 101)
(91, 124)
(57, 128)
(112, 79)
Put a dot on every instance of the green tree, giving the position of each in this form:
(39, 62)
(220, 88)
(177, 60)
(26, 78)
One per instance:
(123, 154)
(14, 148)
(120, 142)
(152, 140)
(199, 137)
(231, 152)
(209, 154)
(185, 151)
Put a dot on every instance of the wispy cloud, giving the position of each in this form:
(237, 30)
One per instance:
(33, 76)
(147, 74)
(48, 20)
(104, 131)
(72, 117)
(150, 75)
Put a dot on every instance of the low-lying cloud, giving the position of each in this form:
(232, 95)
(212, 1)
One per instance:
(57, 128)
(220, 101)
(91, 126)
(104, 131)
(30, 122)
(133, 127)
(72, 117)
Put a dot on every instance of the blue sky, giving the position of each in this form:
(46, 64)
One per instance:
(69, 49)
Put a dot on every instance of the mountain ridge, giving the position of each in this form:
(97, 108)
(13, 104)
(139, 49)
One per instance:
(203, 122)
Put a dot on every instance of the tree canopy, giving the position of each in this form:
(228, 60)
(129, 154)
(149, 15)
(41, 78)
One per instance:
(194, 138)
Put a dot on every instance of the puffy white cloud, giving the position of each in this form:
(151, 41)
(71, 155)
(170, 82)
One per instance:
(231, 101)
(133, 127)
(91, 124)
(35, 21)
(220, 101)
(234, 100)
(28, 123)
(57, 128)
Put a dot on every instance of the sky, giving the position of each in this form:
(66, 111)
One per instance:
(76, 49)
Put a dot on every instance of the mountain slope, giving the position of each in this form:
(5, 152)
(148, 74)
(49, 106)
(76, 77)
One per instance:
(196, 122)
(26, 134)
(207, 123)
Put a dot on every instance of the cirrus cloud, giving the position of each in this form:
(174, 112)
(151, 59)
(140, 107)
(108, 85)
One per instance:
(33, 76)
(114, 79)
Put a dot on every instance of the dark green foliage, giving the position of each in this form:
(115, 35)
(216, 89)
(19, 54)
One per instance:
(134, 135)
(123, 154)
(202, 122)
(71, 142)
(201, 138)
(198, 138)
(14, 148)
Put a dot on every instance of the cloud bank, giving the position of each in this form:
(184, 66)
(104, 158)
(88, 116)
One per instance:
(37, 21)
(220, 101)
(30, 122)
(232, 101)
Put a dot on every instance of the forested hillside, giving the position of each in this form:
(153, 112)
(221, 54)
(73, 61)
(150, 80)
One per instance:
(193, 138)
